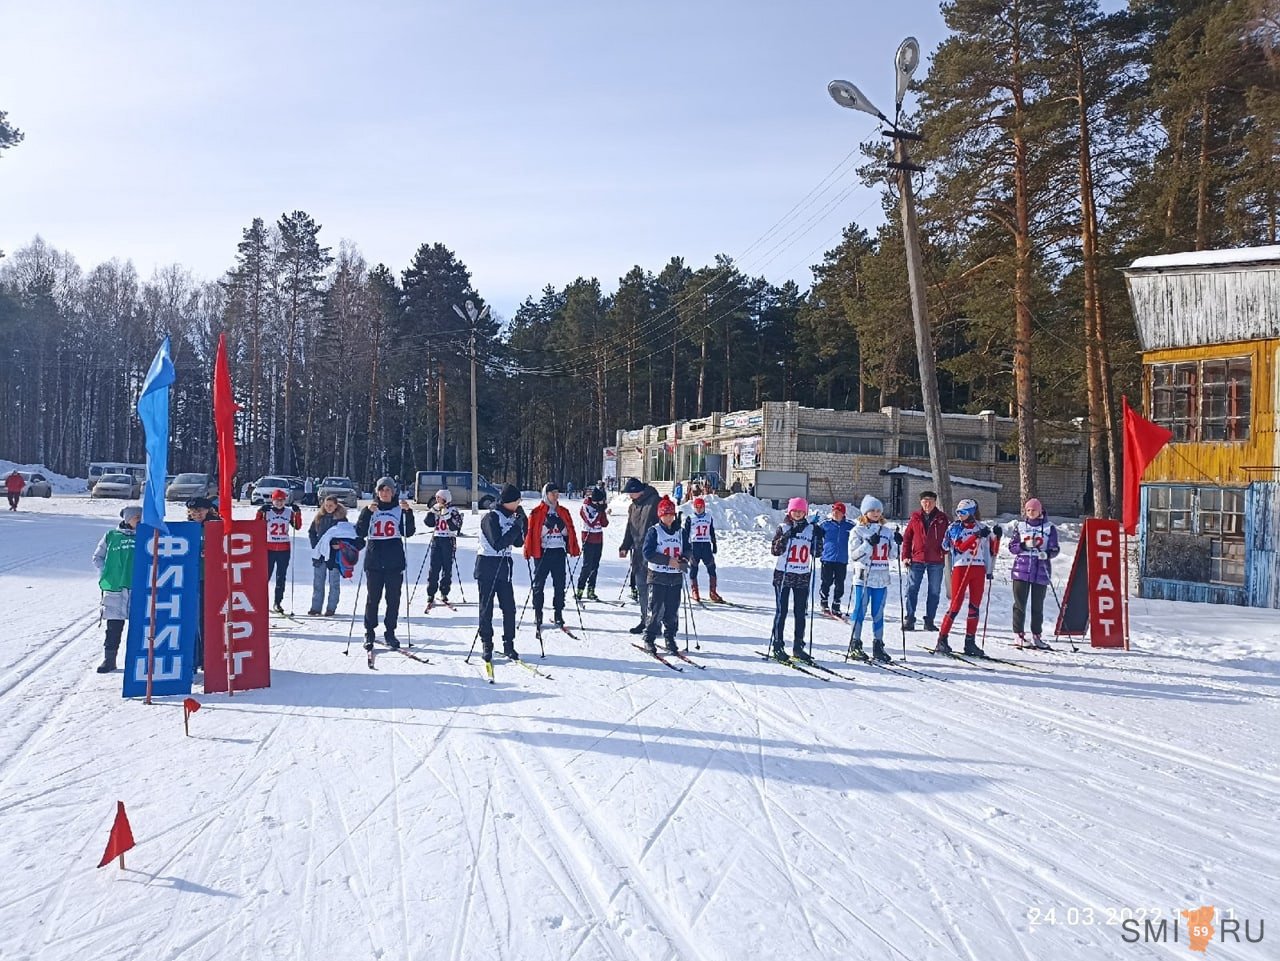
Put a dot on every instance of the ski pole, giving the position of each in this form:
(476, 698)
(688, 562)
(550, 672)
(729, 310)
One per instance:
(404, 595)
(533, 574)
(458, 573)
(493, 587)
(292, 606)
(902, 605)
(576, 603)
(990, 590)
(414, 588)
(354, 609)
(812, 592)
(691, 623)
(859, 608)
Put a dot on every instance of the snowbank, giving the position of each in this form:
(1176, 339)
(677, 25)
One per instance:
(62, 484)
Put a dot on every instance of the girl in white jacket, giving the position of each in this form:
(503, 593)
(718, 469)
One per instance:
(871, 547)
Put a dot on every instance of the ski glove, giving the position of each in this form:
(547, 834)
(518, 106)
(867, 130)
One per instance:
(874, 539)
(984, 531)
(897, 537)
(997, 531)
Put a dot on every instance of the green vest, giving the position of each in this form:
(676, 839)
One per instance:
(117, 569)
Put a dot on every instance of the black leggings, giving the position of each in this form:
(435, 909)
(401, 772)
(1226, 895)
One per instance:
(1020, 591)
(799, 603)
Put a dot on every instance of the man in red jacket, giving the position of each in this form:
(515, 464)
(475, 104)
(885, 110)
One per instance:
(922, 553)
(13, 485)
(549, 541)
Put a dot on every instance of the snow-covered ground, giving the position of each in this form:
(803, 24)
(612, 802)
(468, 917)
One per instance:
(620, 809)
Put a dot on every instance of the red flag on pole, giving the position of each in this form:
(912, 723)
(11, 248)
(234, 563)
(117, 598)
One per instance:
(224, 421)
(189, 706)
(121, 839)
(1142, 441)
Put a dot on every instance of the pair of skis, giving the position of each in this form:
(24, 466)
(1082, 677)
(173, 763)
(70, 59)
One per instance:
(661, 658)
(985, 661)
(810, 667)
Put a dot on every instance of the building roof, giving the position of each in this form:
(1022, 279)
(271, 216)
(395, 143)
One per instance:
(1237, 257)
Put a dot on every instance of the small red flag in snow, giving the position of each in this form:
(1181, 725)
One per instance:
(189, 706)
(121, 839)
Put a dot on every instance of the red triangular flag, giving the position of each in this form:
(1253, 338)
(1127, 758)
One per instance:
(121, 839)
(1142, 441)
(191, 704)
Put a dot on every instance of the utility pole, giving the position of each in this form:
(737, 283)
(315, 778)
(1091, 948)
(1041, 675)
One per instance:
(473, 317)
(847, 95)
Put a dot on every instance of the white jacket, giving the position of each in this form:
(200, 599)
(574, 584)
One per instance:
(870, 561)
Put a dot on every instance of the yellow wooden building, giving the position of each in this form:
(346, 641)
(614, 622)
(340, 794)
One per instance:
(1209, 326)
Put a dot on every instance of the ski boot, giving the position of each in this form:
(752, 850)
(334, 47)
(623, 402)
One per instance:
(591, 594)
(672, 647)
(509, 649)
(693, 592)
(1038, 643)
(559, 620)
(928, 626)
(910, 625)
(1020, 640)
(826, 609)
(971, 648)
(391, 642)
(798, 653)
(855, 650)
(878, 652)
(635, 594)
(715, 598)
(577, 595)
(778, 651)
(314, 612)
(638, 629)
(431, 602)
(368, 642)
(278, 609)
(942, 647)
(115, 629)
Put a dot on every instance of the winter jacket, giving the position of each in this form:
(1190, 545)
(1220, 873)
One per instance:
(443, 522)
(14, 483)
(499, 532)
(667, 575)
(322, 547)
(538, 522)
(971, 544)
(113, 557)
(835, 540)
(321, 524)
(385, 549)
(788, 546)
(1034, 544)
(642, 515)
(922, 540)
(278, 523)
(870, 550)
(594, 521)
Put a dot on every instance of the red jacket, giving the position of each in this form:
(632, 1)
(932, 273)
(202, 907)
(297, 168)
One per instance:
(537, 520)
(266, 511)
(921, 543)
(14, 483)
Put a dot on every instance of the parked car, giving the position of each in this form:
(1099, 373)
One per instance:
(186, 486)
(37, 485)
(263, 486)
(124, 486)
(458, 484)
(342, 488)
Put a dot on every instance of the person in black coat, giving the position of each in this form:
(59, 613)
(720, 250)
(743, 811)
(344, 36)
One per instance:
(642, 516)
(384, 525)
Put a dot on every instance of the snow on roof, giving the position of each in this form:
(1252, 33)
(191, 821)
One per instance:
(902, 469)
(1209, 258)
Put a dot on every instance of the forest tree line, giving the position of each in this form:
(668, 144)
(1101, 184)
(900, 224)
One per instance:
(1060, 144)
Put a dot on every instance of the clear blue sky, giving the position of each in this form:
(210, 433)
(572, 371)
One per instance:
(539, 141)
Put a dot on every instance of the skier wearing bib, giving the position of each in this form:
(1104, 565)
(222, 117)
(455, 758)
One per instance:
(973, 546)
(279, 517)
(872, 547)
(1034, 543)
(835, 559)
(700, 532)
(665, 550)
(594, 520)
(444, 521)
(113, 557)
(500, 530)
(383, 525)
(794, 544)
(550, 541)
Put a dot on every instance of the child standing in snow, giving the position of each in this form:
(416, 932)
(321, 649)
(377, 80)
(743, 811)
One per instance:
(794, 544)
(665, 547)
(113, 557)
(1034, 544)
(700, 532)
(835, 559)
(972, 546)
(872, 546)
(328, 531)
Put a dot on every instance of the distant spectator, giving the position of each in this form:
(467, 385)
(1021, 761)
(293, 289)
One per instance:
(13, 485)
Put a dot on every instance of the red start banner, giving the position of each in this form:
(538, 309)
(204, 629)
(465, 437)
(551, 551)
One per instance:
(235, 607)
(1094, 599)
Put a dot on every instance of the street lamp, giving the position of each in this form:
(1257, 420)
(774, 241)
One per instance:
(473, 317)
(847, 95)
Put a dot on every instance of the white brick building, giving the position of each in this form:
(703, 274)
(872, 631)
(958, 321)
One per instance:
(848, 454)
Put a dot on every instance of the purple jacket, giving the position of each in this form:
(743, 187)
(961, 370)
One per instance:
(1027, 540)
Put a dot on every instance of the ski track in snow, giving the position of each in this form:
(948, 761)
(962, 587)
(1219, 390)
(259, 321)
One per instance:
(616, 812)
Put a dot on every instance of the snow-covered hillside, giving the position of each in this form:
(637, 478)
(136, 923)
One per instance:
(622, 809)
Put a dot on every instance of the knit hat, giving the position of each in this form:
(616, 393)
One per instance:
(133, 510)
(200, 503)
(597, 495)
(699, 504)
(1033, 502)
(967, 506)
(509, 494)
(870, 503)
(443, 494)
(798, 504)
(666, 507)
(632, 486)
(279, 495)
(838, 508)
(385, 482)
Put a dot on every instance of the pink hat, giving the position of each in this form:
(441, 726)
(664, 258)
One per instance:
(1033, 502)
(797, 504)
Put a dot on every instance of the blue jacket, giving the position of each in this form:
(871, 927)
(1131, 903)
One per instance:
(835, 541)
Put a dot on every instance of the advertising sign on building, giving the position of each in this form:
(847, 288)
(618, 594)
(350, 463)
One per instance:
(746, 453)
(235, 608)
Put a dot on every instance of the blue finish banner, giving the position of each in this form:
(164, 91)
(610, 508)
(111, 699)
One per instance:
(177, 606)
(153, 411)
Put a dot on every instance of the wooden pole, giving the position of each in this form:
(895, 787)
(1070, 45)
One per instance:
(151, 625)
(226, 603)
